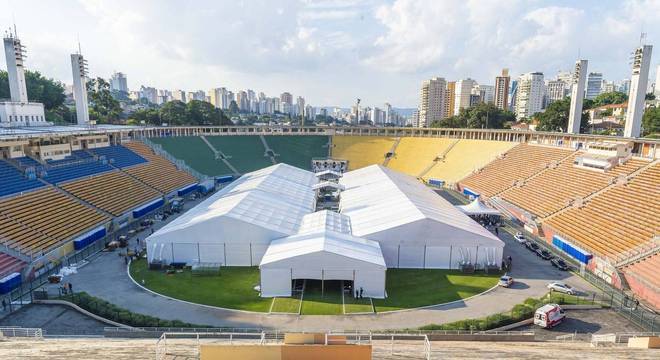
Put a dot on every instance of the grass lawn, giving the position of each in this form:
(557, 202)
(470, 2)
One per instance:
(353, 305)
(329, 303)
(410, 288)
(286, 304)
(233, 288)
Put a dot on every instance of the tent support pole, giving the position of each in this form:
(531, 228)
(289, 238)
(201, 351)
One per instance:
(322, 284)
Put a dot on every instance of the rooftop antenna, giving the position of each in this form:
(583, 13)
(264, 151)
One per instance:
(642, 37)
(79, 51)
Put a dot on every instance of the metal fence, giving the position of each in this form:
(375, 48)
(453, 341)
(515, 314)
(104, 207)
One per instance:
(21, 332)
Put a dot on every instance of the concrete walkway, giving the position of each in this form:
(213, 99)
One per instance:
(105, 277)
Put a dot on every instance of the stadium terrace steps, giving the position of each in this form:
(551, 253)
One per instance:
(244, 152)
(10, 264)
(414, 155)
(268, 151)
(118, 156)
(43, 218)
(392, 151)
(619, 219)
(114, 192)
(361, 151)
(158, 172)
(74, 170)
(552, 189)
(298, 150)
(465, 157)
(13, 181)
(518, 164)
(643, 278)
(195, 152)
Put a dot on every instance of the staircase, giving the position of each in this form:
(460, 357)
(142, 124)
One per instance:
(391, 153)
(439, 158)
(219, 155)
(268, 151)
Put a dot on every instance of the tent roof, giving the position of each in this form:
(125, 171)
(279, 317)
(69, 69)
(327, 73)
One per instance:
(325, 220)
(377, 198)
(476, 207)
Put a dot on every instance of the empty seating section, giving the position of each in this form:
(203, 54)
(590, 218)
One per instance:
(195, 153)
(245, 153)
(619, 219)
(9, 264)
(76, 157)
(43, 218)
(552, 189)
(413, 155)
(74, 171)
(466, 157)
(26, 161)
(361, 151)
(518, 163)
(298, 150)
(118, 156)
(158, 172)
(12, 180)
(114, 192)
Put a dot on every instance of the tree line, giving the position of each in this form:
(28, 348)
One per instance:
(175, 113)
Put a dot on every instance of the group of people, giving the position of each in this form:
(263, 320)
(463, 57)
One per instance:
(358, 293)
(66, 288)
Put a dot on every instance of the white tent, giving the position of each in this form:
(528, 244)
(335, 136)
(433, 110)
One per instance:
(476, 207)
(235, 225)
(416, 228)
(323, 249)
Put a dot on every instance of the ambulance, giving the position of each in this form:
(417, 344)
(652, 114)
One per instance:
(549, 316)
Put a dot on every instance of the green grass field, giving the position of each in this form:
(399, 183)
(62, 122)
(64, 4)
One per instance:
(410, 288)
(327, 303)
(233, 288)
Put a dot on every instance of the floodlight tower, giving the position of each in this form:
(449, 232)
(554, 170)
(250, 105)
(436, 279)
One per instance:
(15, 55)
(577, 96)
(79, 69)
(638, 83)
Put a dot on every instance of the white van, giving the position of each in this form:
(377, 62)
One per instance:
(549, 316)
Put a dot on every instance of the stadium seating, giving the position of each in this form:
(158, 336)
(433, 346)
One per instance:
(74, 170)
(12, 180)
(519, 163)
(361, 151)
(413, 155)
(619, 219)
(43, 218)
(158, 172)
(9, 264)
(465, 157)
(195, 153)
(115, 192)
(26, 161)
(552, 189)
(118, 156)
(76, 157)
(245, 153)
(298, 150)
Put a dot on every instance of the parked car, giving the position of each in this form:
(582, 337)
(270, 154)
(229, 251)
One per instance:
(505, 281)
(532, 246)
(544, 254)
(561, 287)
(520, 237)
(559, 264)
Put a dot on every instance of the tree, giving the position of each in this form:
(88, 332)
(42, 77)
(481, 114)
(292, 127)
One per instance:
(146, 116)
(614, 97)
(650, 96)
(174, 113)
(103, 107)
(480, 116)
(555, 117)
(651, 121)
(42, 90)
(204, 113)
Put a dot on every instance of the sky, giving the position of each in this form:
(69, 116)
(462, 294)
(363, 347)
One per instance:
(330, 51)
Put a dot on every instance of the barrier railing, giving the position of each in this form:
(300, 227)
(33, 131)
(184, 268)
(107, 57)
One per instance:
(22, 332)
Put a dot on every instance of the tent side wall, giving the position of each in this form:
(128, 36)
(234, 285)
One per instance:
(372, 282)
(275, 282)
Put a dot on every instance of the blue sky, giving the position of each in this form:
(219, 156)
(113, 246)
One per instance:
(329, 51)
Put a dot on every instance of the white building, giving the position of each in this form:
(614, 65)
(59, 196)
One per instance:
(118, 82)
(594, 85)
(462, 94)
(432, 101)
(18, 111)
(638, 85)
(529, 94)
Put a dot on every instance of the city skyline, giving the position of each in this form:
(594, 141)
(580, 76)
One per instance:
(366, 49)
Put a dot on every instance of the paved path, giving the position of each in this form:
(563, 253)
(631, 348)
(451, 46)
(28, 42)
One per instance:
(106, 277)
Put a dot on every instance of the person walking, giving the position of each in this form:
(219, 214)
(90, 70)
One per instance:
(70, 288)
(4, 305)
(361, 291)
(497, 232)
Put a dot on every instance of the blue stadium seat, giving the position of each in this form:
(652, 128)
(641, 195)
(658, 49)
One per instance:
(14, 181)
(119, 156)
(75, 170)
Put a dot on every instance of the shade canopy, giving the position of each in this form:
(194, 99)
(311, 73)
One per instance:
(476, 207)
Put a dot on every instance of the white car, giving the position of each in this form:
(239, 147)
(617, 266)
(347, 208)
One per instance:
(561, 287)
(520, 238)
(505, 281)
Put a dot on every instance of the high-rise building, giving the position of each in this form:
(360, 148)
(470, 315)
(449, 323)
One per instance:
(432, 101)
(624, 87)
(638, 85)
(555, 90)
(179, 95)
(577, 95)
(462, 94)
(300, 106)
(608, 86)
(502, 90)
(486, 93)
(287, 98)
(594, 85)
(215, 97)
(656, 87)
(529, 95)
(513, 93)
(118, 82)
(450, 95)
(149, 93)
(79, 70)
(242, 101)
